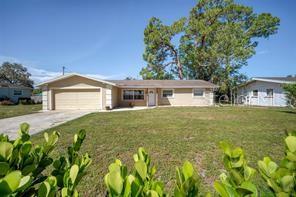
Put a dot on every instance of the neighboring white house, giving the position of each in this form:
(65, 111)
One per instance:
(265, 91)
(14, 93)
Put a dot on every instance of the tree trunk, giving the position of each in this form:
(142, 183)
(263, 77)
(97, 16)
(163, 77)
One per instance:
(177, 61)
(180, 69)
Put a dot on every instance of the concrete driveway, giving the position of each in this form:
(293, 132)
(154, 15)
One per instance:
(39, 121)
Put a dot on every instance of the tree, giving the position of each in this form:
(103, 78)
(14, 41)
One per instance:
(290, 90)
(130, 78)
(291, 75)
(15, 74)
(161, 55)
(216, 40)
(221, 37)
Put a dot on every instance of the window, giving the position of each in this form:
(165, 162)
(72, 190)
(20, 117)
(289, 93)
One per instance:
(269, 92)
(17, 92)
(167, 93)
(128, 94)
(198, 92)
(138, 94)
(255, 93)
(133, 94)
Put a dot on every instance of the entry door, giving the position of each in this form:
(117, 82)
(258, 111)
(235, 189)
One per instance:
(151, 97)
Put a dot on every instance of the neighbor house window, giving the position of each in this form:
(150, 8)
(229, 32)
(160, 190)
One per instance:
(198, 92)
(133, 94)
(255, 93)
(17, 92)
(167, 93)
(269, 92)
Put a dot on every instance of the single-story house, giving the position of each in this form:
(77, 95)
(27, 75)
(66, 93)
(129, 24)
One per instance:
(14, 93)
(75, 91)
(265, 91)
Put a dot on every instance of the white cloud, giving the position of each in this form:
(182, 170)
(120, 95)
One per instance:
(40, 75)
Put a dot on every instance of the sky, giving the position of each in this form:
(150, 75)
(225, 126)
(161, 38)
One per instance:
(104, 38)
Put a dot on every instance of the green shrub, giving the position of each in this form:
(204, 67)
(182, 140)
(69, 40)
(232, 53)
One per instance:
(187, 182)
(237, 179)
(139, 182)
(281, 178)
(22, 166)
(290, 90)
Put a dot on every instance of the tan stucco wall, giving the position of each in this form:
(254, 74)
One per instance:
(184, 97)
(75, 83)
(115, 97)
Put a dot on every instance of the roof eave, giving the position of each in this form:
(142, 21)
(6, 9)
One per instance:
(125, 86)
(266, 80)
(71, 75)
(271, 80)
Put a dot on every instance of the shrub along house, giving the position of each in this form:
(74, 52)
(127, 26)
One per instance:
(75, 91)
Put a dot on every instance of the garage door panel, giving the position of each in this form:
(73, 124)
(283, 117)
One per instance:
(77, 99)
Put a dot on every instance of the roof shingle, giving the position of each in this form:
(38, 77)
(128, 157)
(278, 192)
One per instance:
(286, 79)
(164, 83)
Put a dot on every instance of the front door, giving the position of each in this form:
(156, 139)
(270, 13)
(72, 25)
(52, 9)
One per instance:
(151, 97)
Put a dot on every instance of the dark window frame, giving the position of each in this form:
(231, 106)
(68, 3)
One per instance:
(139, 96)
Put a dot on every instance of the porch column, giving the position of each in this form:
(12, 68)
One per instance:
(156, 94)
(50, 99)
(147, 98)
(45, 98)
(108, 93)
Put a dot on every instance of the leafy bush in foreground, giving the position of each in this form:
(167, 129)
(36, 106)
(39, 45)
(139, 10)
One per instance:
(235, 182)
(22, 166)
(140, 182)
(281, 178)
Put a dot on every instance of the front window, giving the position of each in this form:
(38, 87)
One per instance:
(138, 94)
(133, 94)
(269, 92)
(17, 92)
(167, 93)
(255, 93)
(198, 92)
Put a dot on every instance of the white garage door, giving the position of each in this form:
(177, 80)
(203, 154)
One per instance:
(77, 99)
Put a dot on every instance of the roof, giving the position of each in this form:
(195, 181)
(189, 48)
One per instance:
(7, 85)
(72, 75)
(164, 83)
(142, 83)
(280, 80)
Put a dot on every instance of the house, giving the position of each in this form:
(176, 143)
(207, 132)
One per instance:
(265, 91)
(75, 91)
(14, 93)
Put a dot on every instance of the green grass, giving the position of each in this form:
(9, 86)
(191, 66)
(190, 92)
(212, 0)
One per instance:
(172, 135)
(7, 111)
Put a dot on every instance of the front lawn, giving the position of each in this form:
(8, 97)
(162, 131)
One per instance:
(172, 135)
(7, 111)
